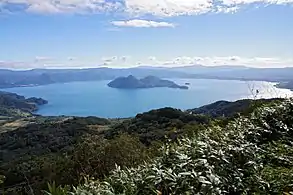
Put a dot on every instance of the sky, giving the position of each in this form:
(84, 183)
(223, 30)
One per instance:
(126, 33)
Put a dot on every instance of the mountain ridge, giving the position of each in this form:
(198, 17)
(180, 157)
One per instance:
(9, 78)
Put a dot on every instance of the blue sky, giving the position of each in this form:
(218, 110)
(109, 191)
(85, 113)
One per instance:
(123, 33)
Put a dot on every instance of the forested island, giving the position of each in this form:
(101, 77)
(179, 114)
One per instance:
(132, 82)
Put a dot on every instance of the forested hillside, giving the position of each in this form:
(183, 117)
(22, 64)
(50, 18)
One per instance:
(251, 155)
(230, 109)
(157, 151)
(14, 105)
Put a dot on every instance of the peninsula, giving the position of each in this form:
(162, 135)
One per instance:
(12, 104)
(132, 82)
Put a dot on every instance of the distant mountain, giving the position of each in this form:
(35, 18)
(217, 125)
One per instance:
(43, 76)
(200, 69)
(9, 78)
(226, 72)
(261, 74)
(132, 82)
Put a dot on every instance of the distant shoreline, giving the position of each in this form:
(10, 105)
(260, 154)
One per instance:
(94, 98)
(276, 83)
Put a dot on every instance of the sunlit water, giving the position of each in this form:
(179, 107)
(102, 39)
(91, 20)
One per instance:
(97, 99)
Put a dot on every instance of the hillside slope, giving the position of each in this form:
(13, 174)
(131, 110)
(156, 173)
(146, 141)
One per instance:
(37, 150)
(251, 155)
(230, 109)
(12, 104)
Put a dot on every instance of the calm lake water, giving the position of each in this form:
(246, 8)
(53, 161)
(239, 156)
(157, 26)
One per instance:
(97, 99)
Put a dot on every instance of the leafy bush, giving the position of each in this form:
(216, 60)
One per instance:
(251, 155)
(158, 124)
(57, 190)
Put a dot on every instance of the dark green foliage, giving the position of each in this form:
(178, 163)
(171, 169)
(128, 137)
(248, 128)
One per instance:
(90, 120)
(244, 155)
(230, 109)
(57, 190)
(158, 124)
(250, 155)
(64, 149)
(92, 156)
(38, 139)
(97, 157)
(131, 82)
(15, 113)
(15, 105)
(40, 152)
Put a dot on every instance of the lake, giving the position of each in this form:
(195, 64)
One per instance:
(97, 99)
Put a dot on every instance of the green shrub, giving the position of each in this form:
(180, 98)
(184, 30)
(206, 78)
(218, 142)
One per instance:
(251, 155)
(56, 190)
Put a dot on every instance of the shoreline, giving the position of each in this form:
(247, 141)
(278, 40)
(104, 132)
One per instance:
(47, 111)
(196, 78)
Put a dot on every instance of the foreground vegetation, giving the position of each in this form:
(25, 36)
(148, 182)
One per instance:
(65, 149)
(251, 155)
(164, 151)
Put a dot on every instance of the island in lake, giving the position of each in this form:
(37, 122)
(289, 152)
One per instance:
(132, 82)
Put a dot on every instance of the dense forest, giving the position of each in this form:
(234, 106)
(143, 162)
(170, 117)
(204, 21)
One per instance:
(242, 147)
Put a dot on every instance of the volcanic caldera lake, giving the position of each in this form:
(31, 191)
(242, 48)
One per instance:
(95, 98)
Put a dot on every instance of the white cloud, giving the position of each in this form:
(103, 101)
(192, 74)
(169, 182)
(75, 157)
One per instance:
(191, 7)
(48, 62)
(109, 59)
(65, 6)
(127, 61)
(42, 58)
(239, 2)
(168, 7)
(142, 23)
(116, 60)
(137, 7)
(226, 60)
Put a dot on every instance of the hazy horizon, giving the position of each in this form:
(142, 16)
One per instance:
(134, 66)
